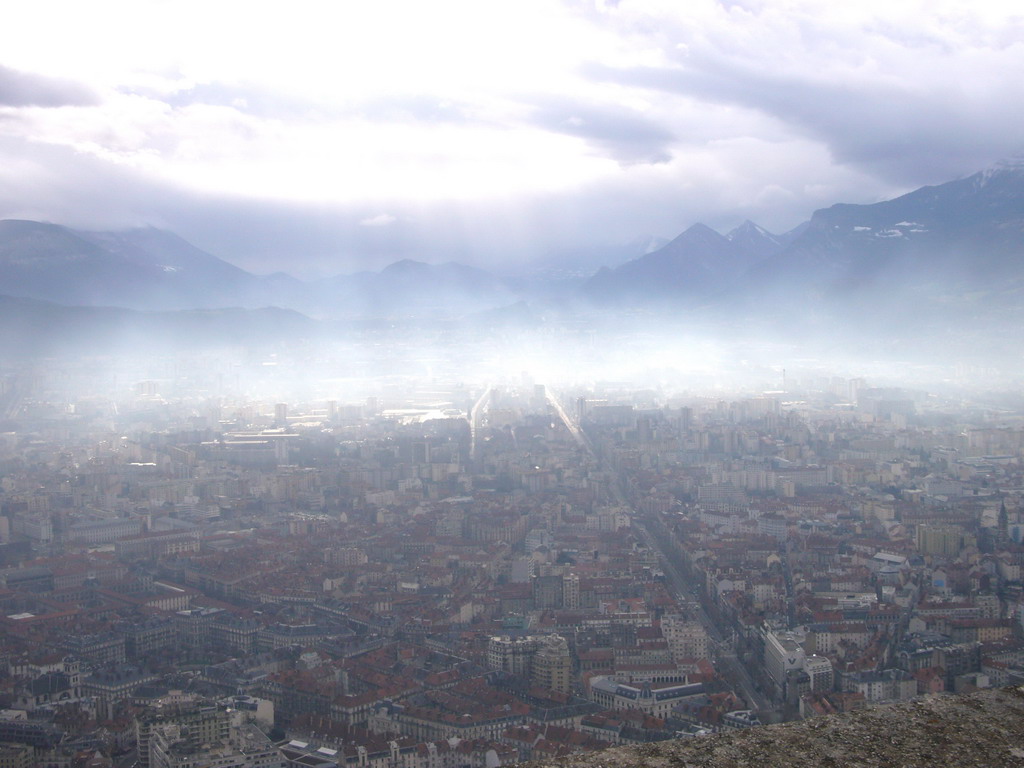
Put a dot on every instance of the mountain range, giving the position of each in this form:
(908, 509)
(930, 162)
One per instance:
(950, 254)
(150, 269)
(698, 264)
(955, 243)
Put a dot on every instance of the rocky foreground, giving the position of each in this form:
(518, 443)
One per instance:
(979, 729)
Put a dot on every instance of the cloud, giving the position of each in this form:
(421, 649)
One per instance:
(549, 127)
(626, 135)
(380, 220)
(776, 184)
(899, 132)
(25, 89)
(910, 99)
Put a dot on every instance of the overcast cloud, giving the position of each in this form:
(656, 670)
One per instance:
(340, 137)
(24, 89)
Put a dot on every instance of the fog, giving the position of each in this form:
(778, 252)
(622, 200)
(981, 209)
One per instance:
(397, 360)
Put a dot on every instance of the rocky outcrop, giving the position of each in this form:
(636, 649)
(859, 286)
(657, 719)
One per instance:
(979, 729)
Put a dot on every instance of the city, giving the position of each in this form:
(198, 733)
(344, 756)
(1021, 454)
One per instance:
(482, 574)
(575, 384)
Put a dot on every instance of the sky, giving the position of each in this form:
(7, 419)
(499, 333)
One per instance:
(322, 138)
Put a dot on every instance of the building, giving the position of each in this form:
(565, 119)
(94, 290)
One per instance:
(888, 685)
(113, 684)
(552, 664)
(945, 540)
(686, 639)
(571, 591)
(173, 745)
(17, 756)
(783, 652)
(148, 636)
(547, 592)
(819, 670)
(651, 699)
(198, 724)
(511, 654)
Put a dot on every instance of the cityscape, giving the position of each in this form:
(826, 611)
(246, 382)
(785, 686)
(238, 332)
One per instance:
(573, 384)
(464, 573)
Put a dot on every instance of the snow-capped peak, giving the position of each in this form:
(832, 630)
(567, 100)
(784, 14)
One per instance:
(748, 228)
(1013, 164)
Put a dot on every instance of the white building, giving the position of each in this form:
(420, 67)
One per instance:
(653, 700)
(783, 652)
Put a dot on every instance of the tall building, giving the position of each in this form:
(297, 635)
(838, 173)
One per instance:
(511, 654)
(819, 670)
(544, 660)
(945, 540)
(552, 664)
(686, 639)
(196, 724)
(571, 591)
(783, 651)
(547, 592)
(172, 745)
(644, 429)
(281, 414)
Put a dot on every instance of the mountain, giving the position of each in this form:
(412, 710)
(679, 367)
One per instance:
(943, 259)
(46, 261)
(204, 277)
(697, 265)
(29, 327)
(966, 234)
(755, 241)
(946, 256)
(788, 238)
(580, 260)
(142, 269)
(152, 269)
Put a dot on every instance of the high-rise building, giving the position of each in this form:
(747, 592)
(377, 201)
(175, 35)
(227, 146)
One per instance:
(686, 639)
(819, 670)
(783, 651)
(281, 414)
(199, 724)
(511, 654)
(547, 592)
(945, 540)
(552, 664)
(190, 734)
(571, 591)
(544, 660)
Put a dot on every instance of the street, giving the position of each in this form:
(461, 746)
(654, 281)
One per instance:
(728, 664)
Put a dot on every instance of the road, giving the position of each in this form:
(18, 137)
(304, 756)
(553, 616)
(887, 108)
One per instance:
(570, 424)
(729, 665)
(476, 414)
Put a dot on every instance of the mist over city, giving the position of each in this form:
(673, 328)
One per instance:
(463, 384)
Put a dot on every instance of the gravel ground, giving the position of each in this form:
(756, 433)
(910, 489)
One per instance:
(978, 729)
